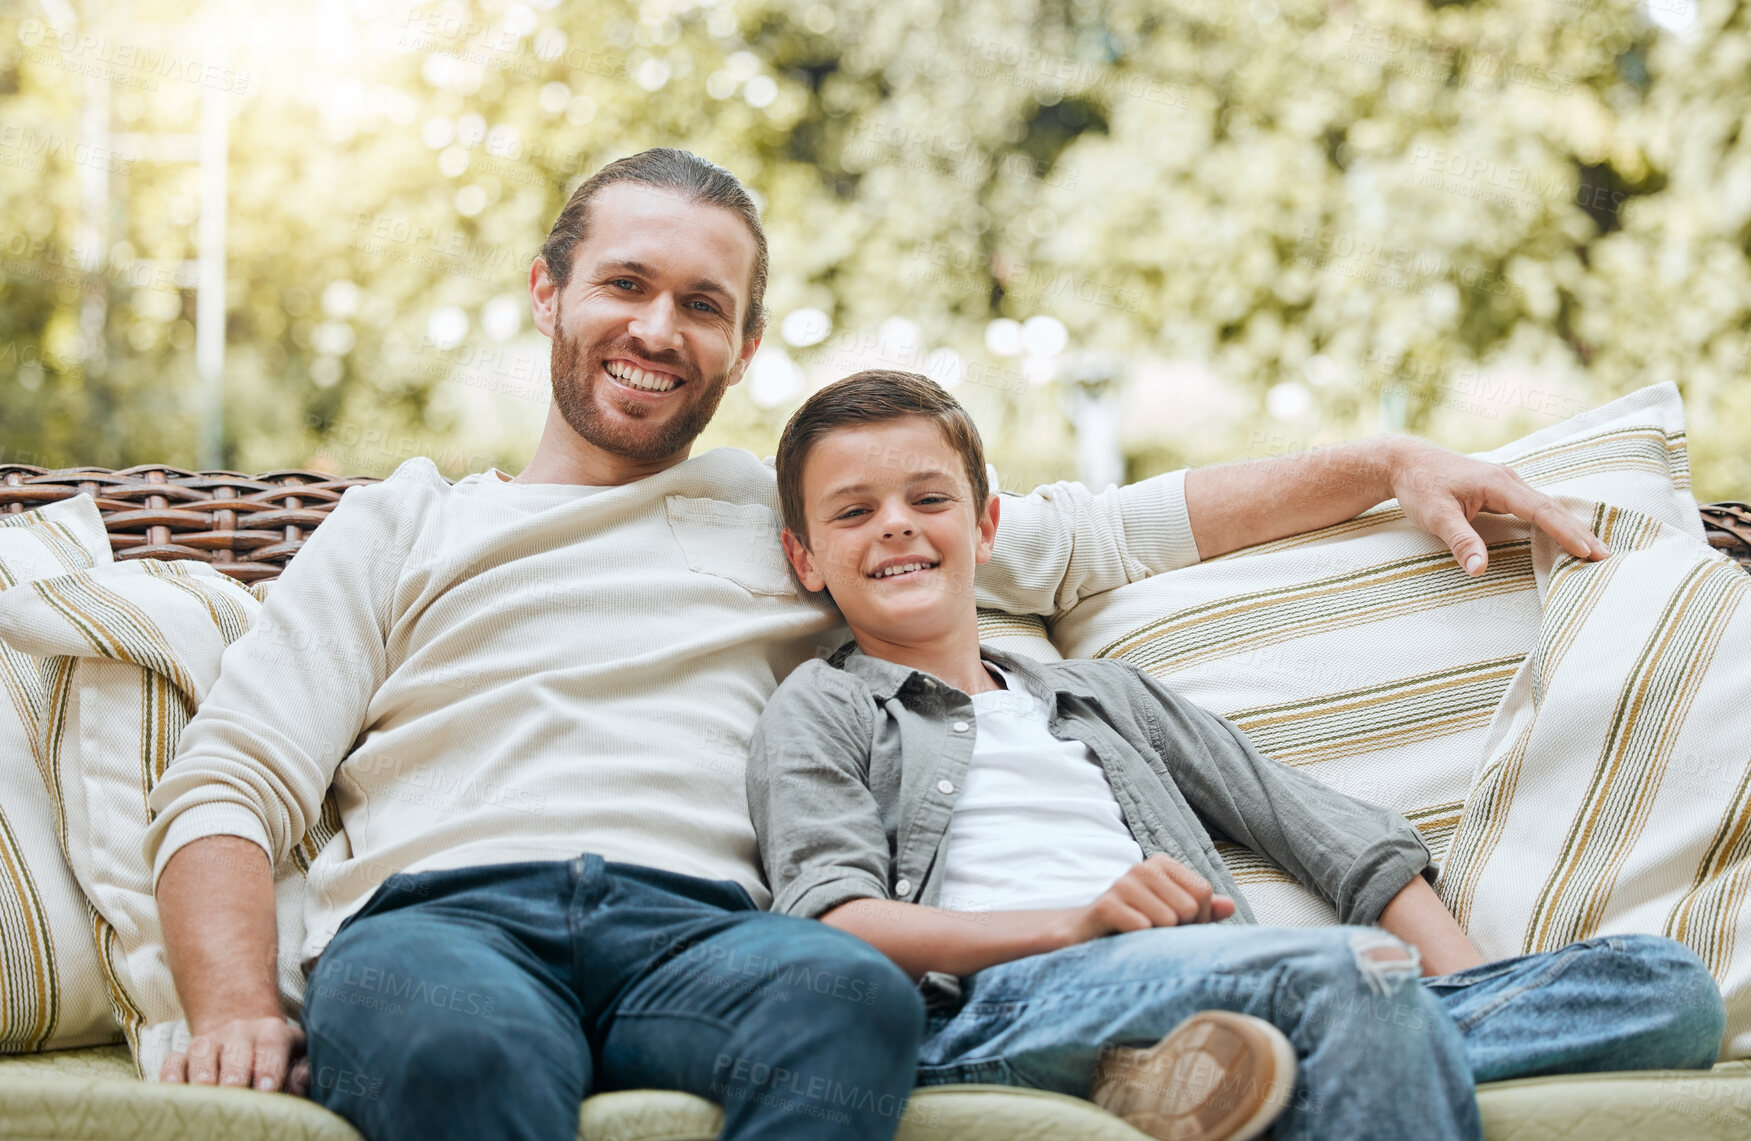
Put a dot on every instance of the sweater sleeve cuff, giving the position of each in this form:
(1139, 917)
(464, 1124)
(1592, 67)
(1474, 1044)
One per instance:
(1158, 530)
(1377, 878)
(200, 822)
(813, 900)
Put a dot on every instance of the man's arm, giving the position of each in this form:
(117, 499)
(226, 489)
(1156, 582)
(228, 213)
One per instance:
(248, 780)
(216, 906)
(1239, 505)
(1062, 543)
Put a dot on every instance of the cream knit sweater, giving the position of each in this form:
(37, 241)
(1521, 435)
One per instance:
(493, 672)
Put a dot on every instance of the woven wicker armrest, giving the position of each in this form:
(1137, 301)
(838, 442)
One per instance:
(247, 526)
(251, 526)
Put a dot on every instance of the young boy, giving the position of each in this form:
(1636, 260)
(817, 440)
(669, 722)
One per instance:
(1033, 841)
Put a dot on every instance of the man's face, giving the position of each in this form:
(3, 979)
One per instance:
(894, 533)
(647, 333)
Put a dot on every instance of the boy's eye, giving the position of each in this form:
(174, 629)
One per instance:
(933, 498)
(849, 512)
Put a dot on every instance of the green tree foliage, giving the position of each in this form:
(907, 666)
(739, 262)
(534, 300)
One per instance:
(1268, 224)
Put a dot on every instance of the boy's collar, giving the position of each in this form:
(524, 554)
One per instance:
(887, 679)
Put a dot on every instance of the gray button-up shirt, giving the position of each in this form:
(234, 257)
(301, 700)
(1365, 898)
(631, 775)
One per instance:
(857, 762)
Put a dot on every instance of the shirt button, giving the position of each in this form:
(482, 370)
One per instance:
(945, 786)
(961, 726)
(903, 888)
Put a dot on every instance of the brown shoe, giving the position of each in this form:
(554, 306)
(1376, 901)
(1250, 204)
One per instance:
(1219, 1076)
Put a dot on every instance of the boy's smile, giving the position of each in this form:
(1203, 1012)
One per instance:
(893, 534)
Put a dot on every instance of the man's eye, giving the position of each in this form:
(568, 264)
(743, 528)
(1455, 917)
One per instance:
(704, 306)
(623, 283)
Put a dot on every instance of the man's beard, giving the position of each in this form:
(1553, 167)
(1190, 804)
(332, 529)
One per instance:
(574, 391)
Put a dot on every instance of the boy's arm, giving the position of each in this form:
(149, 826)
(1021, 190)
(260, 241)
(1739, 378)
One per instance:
(1417, 915)
(1355, 855)
(818, 824)
(1159, 892)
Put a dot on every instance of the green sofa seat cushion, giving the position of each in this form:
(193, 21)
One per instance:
(93, 1095)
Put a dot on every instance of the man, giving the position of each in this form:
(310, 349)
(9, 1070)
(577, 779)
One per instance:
(533, 697)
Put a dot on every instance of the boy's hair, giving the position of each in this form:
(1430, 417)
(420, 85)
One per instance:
(874, 396)
(664, 168)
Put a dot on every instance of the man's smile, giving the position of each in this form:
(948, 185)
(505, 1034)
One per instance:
(640, 378)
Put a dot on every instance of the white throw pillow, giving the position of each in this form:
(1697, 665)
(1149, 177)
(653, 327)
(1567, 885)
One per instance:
(1614, 794)
(1362, 652)
(50, 974)
(130, 652)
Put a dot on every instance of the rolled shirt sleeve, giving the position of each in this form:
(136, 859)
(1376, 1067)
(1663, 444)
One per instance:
(819, 826)
(1062, 543)
(1355, 855)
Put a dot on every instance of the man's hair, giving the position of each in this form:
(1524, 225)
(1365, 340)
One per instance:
(665, 169)
(875, 396)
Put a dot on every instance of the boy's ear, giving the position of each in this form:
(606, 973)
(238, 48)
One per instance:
(802, 561)
(987, 531)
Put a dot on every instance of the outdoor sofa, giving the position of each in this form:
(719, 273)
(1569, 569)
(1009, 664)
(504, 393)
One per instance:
(250, 527)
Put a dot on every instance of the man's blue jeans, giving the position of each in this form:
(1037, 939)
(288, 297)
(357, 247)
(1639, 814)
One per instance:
(1381, 1055)
(488, 1002)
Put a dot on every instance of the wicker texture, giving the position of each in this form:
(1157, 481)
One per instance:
(251, 526)
(247, 526)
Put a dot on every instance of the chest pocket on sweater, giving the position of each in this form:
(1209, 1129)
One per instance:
(737, 541)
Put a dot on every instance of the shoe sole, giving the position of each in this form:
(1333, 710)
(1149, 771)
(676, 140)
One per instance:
(1219, 1076)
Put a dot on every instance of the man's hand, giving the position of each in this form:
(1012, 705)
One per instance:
(1159, 892)
(1442, 491)
(263, 1053)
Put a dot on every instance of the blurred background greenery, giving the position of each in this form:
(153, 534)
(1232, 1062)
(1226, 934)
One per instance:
(1134, 234)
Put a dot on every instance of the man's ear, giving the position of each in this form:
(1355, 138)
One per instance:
(987, 531)
(802, 561)
(543, 297)
(740, 368)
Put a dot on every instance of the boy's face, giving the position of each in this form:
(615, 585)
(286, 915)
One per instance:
(893, 532)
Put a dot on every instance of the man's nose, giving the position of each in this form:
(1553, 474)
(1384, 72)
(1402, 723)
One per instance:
(656, 325)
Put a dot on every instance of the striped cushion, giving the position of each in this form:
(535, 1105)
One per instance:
(1614, 793)
(1362, 652)
(130, 651)
(52, 991)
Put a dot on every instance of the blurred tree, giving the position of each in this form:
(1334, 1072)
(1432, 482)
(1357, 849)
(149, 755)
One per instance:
(1290, 221)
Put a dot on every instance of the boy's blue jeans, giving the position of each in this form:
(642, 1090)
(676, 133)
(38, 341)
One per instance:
(487, 1002)
(1382, 1055)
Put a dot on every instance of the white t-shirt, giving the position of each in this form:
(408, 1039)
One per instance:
(1036, 824)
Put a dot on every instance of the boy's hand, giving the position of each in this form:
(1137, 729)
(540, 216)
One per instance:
(1159, 892)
